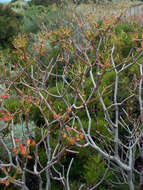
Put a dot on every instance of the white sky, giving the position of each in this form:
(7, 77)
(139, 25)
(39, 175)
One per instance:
(5, 1)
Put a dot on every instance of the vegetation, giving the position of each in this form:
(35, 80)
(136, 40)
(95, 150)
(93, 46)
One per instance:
(10, 22)
(71, 97)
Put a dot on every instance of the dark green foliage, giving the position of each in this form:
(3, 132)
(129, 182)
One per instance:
(33, 17)
(124, 33)
(13, 1)
(88, 167)
(44, 2)
(10, 24)
(94, 170)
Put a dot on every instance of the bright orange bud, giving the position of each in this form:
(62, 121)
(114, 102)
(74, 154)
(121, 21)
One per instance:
(29, 157)
(87, 35)
(33, 143)
(14, 150)
(28, 142)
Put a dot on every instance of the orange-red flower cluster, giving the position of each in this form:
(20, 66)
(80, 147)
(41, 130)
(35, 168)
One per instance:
(23, 148)
(5, 116)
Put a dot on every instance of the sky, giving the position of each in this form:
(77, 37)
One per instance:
(4, 1)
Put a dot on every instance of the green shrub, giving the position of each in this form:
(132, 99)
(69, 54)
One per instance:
(10, 22)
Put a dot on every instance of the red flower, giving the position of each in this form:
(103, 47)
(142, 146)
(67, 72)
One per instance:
(16, 139)
(4, 96)
(6, 118)
(55, 116)
(22, 149)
